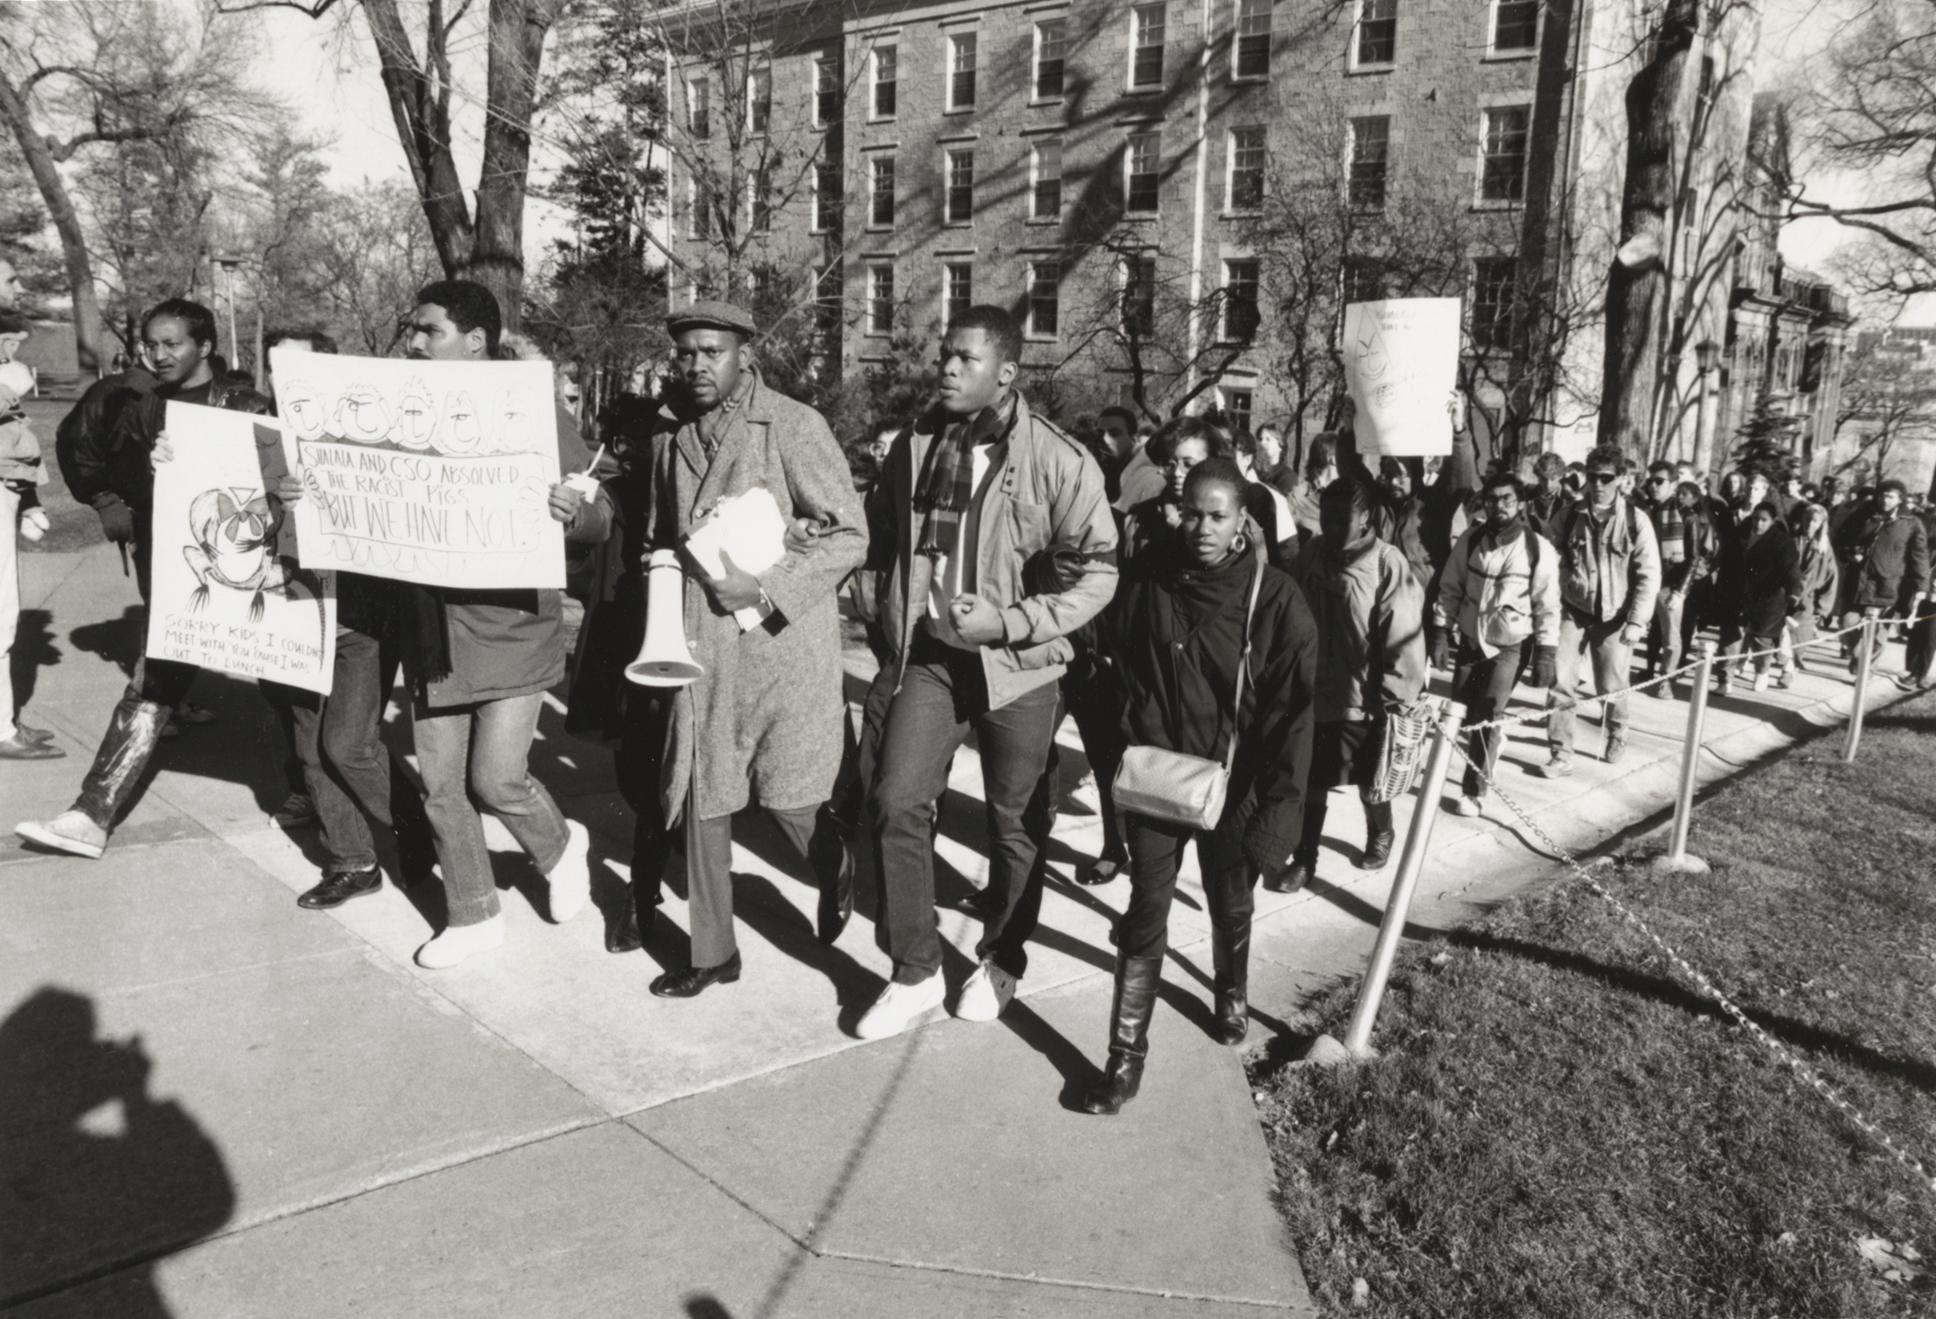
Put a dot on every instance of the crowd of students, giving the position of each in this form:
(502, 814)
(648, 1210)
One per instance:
(1182, 591)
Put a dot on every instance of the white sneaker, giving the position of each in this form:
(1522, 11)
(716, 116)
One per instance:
(70, 832)
(459, 941)
(571, 878)
(986, 993)
(1469, 807)
(899, 1006)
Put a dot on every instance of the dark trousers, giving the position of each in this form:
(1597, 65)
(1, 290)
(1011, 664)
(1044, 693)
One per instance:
(638, 761)
(943, 696)
(1090, 700)
(348, 771)
(134, 731)
(1484, 685)
(709, 876)
(1155, 856)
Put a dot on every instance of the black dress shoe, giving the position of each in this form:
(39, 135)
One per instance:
(1291, 878)
(630, 934)
(340, 886)
(836, 873)
(694, 980)
(1377, 851)
(1105, 869)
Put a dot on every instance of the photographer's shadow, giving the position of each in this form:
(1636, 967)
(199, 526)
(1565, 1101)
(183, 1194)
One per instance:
(102, 1180)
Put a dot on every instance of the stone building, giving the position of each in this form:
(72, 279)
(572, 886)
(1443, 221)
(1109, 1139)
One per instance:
(1179, 196)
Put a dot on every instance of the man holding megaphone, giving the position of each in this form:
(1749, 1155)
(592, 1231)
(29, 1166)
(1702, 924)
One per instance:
(762, 722)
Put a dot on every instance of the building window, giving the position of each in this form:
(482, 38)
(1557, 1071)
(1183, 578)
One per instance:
(1370, 153)
(958, 206)
(1364, 280)
(1146, 46)
(1250, 56)
(1139, 296)
(1045, 179)
(826, 195)
(1239, 301)
(759, 201)
(699, 106)
(826, 308)
(1377, 41)
(961, 71)
(1515, 25)
(1502, 174)
(1141, 165)
(887, 65)
(759, 100)
(880, 190)
(1492, 302)
(1051, 42)
(1044, 299)
(1236, 406)
(957, 289)
(699, 210)
(826, 90)
(880, 299)
(1244, 189)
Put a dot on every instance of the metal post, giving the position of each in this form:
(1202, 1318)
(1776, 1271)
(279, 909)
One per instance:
(1864, 659)
(1357, 1040)
(1677, 859)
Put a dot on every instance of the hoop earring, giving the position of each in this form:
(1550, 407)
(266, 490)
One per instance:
(1239, 545)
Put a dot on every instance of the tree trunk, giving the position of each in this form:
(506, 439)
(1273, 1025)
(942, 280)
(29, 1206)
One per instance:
(1637, 285)
(517, 35)
(88, 330)
(423, 130)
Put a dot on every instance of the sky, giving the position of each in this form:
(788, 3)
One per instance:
(346, 101)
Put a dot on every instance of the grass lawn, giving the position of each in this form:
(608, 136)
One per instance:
(1558, 1126)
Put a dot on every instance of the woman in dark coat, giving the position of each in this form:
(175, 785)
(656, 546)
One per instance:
(1764, 571)
(1174, 635)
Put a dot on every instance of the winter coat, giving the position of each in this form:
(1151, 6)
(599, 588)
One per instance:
(505, 644)
(1502, 587)
(1609, 570)
(1765, 574)
(105, 442)
(1174, 634)
(1043, 489)
(1888, 561)
(1370, 614)
(1820, 579)
(764, 723)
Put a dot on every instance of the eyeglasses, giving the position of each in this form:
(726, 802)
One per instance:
(1658, 480)
(1598, 478)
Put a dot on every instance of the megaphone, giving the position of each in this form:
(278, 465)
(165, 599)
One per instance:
(664, 658)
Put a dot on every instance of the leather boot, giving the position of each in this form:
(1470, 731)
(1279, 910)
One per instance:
(1379, 836)
(1129, 1019)
(1230, 959)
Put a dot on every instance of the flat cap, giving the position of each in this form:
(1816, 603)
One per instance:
(710, 315)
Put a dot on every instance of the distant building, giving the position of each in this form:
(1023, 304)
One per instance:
(1107, 169)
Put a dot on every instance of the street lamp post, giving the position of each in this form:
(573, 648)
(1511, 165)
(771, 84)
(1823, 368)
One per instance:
(228, 265)
(1707, 359)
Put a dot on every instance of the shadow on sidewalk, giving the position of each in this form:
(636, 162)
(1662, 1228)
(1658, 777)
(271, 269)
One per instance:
(101, 1178)
(33, 650)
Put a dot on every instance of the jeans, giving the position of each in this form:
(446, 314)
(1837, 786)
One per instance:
(943, 695)
(1155, 856)
(1581, 637)
(1664, 635)
(480, 750)
(1484, 685)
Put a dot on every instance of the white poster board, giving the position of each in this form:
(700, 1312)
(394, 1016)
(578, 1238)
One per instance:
(428, 472)
(228, 592)
(1401, 363)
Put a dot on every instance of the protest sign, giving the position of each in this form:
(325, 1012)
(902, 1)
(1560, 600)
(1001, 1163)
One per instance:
(1401, 362)
(428, 472)
(228, 592)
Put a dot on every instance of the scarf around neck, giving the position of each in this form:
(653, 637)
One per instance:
(948, 486)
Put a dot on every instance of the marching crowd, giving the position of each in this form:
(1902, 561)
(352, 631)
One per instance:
(1234, 634)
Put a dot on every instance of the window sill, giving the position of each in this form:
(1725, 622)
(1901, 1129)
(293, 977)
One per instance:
(957, 224)
(887, 228)
(1032, 336)
(1247, 213)
(1249, 79)
(882, 118)
(959, 110)
(1045, 102)
(1488, 204)
(1354, 70)
(1043, 221)
(1141, 217)
(1144, 89)
(1510, 56)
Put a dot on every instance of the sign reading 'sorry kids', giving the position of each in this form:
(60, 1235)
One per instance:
(428, 472)
(228, 592)
(1401, 361)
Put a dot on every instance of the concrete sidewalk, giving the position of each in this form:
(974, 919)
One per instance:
(215, 1104)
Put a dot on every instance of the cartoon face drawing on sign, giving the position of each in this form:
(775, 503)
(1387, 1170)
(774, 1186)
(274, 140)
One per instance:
(463, 432)
(302, 410)
(362, 415)
(1374, 359)
(233, 540)
(416, 416)
(513, 423)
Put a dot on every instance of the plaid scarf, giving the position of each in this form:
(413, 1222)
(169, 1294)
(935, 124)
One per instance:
(948, 486)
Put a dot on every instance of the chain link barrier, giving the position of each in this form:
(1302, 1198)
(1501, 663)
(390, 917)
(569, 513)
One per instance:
(1706, 986)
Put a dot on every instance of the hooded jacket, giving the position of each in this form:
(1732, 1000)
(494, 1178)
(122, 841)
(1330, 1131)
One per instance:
(1369, 610)
(1497, 593)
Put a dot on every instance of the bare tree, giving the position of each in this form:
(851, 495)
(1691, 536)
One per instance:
(1888, 399)
(128, 89)
(484, 241)
(373, 252)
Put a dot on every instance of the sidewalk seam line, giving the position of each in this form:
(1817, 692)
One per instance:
(1039, 1279)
